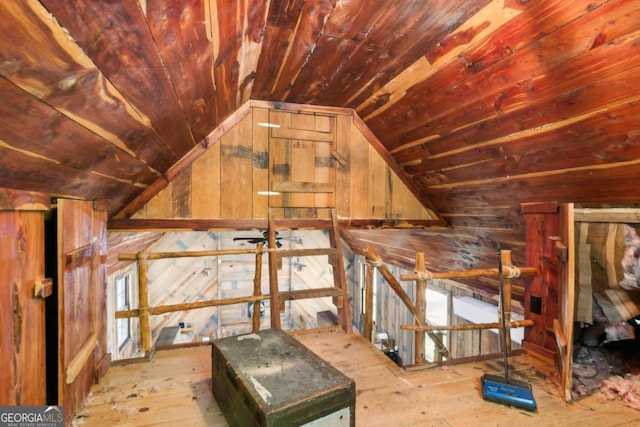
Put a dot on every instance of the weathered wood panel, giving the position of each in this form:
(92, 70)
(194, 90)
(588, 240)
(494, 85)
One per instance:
(205, 184)
(116, 38)
(177, 28)
(340, 39)
(541, 297)
(299, 160)
(237, 29)
(296, 25)
(236, 181)
(22, 317)
(302, 169)
(82, 244)
(51, 67)
(261, 155)
(18, 131)
(396, 44)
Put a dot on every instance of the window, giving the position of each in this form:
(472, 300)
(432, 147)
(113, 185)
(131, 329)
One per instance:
(437, 314)
(123, 302)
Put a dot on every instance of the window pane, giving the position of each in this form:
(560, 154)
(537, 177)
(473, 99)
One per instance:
(437, 314)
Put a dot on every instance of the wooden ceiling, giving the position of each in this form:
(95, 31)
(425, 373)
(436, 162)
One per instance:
(484, 104)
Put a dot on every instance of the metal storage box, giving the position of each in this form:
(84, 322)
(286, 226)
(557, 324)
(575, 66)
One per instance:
(270, 379)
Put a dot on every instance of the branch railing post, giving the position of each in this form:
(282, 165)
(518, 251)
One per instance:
(368, 311)
(143, 301)
(421, 305)
(505, 257)
(257, 290)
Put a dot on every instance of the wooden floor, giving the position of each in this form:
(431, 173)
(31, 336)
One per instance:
(174, 388)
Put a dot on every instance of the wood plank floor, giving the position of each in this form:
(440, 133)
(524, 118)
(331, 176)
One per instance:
(174, 388)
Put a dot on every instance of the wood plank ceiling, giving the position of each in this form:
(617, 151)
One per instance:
(483, 103)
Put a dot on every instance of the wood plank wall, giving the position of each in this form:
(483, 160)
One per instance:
(223, 182)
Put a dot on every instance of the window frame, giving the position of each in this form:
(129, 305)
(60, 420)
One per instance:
(123, 325)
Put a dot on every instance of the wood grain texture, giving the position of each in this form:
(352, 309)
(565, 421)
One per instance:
(123, 28)
(175, 387)
(473, 106)
(294, 160)
(81, 297)
(23, 318)
(177, 28)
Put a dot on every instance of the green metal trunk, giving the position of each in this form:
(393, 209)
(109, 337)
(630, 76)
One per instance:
(270, 379)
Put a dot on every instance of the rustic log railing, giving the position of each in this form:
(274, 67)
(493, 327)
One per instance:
(422, 276)
(277, 298)
(373, 258)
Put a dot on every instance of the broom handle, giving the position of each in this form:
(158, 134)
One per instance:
(503, 325)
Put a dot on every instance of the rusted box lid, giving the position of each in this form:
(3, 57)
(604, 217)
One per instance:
(269, 378)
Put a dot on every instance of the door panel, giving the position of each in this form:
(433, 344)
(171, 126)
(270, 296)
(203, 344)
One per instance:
(81, 300)
(301, 164)
(22, 339)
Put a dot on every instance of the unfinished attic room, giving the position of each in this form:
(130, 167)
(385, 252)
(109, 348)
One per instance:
(320, 212)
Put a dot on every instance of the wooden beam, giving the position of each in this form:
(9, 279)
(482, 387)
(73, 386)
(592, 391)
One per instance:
(257, 291)
(421, 305)
(467, 326)
(192, 254)
(368, 312)
(310, 293)
(306, 252)
(126, 224)
(143, 303)
(505, 294)
(274, 300)
(623, 215)
(14, 200)
(473, 273)
(339, 278)
(162, 309)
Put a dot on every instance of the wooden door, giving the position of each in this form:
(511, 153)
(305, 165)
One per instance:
(301, 166)
(563, 327)
(81, 300)
(22, 339)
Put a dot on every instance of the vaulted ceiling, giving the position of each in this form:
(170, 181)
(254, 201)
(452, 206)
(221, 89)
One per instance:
(483, 104)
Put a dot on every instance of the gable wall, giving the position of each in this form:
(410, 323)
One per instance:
(224, 181)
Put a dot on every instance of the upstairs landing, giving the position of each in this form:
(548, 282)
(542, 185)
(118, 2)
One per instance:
(174, 388)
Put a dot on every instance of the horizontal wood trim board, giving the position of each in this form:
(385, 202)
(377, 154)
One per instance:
(310, 293)
(191, 306)
(306, 252)
(123, 225)
(222, 252)
(303, 187)
(79, 360)
(217, 224)
(622, 215)
(188, 254)
(78, 256)
(302, 135)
